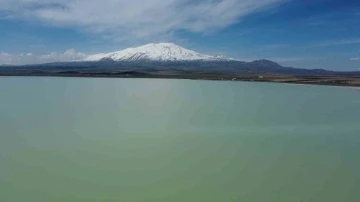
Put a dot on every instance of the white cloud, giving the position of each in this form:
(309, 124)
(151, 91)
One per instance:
(5, 54)
(122, 19)
(5, 58)
(29, 58)
(68, 55)
(355, 59)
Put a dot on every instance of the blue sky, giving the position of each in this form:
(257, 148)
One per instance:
(299, 33)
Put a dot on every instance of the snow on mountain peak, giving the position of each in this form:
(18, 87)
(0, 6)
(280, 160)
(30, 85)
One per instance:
(155, 52)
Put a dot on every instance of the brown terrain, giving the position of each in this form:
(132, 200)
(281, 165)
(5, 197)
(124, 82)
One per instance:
(315, 80)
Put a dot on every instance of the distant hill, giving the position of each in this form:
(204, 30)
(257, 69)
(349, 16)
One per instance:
(168, 57)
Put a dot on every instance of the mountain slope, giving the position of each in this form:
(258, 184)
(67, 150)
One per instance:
(155, 52)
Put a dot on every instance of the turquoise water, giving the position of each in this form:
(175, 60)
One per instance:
(148, 140)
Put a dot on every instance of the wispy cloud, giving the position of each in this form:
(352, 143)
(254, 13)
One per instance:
(336, 43)
(355, 59)
(30, 58)
(124, 19)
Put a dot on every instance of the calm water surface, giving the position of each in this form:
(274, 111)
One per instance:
(147, 140)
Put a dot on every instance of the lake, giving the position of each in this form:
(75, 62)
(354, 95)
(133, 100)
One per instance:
(154, 140)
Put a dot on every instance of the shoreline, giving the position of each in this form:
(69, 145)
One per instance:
(349, 82)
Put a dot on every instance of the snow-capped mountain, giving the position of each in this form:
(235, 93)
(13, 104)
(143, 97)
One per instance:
(155, 52)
